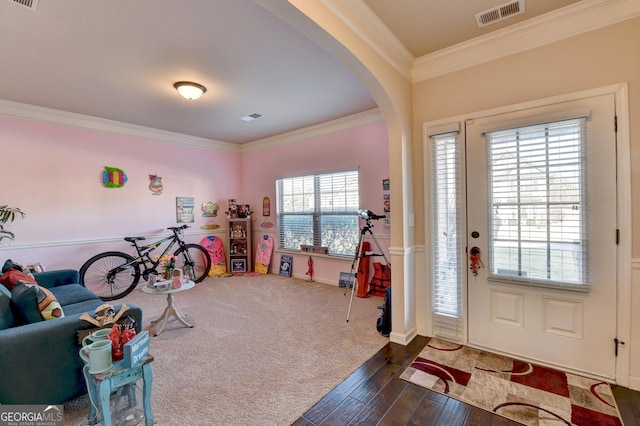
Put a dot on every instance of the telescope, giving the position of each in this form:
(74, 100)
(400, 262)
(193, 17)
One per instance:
(369, 215)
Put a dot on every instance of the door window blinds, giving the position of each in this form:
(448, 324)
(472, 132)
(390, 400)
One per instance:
(538, 204)
(446, 247)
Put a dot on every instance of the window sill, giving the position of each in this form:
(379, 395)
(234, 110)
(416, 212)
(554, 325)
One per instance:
(332, 257)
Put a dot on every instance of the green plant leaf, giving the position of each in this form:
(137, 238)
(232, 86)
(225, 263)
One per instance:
(8, 214)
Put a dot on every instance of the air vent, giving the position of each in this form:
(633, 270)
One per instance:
(29, 4)
(499, 13)
(251, 117)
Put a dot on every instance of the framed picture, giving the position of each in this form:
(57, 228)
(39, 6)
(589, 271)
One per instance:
(238, 265)
(35, 267)
(184, 209)
(233, 208)
(346, 279)
(386, 184)
(285, 265)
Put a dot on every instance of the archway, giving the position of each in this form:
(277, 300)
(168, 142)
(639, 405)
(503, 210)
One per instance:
(322, 23)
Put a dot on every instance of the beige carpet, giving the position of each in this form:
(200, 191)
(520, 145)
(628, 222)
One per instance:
(263, 350)
(526, 393)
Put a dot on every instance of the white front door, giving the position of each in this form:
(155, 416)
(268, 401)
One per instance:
(541, 210)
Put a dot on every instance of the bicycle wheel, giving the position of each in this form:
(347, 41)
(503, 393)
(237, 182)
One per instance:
(110, 275)
(199, 257)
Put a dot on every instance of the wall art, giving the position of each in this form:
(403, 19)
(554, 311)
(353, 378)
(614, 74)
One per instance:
(209, 209)
(155, 184)
(184, 209)
(113, 177)
(286, 265)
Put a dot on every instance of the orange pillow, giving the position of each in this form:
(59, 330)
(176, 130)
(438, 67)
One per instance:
(13, 277)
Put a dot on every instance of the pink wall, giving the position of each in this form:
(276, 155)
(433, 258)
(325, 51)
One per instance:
(54, 174)
(365, 148)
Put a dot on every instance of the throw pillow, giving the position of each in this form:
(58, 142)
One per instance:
(45, 302)
(25, 304)
(13, 277)
(6, 316)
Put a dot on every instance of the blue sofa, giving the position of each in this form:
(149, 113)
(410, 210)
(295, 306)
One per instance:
(39, 361)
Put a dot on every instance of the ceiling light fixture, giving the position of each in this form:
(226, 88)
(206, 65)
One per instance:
(190, 90)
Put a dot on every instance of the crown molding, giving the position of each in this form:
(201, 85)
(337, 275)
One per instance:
(578, 18)
(368, 26)
(569, 21)
(349, 122)
(48, 115)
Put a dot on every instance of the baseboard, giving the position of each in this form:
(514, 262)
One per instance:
(403, 339)
(634, 383)
(305, 277)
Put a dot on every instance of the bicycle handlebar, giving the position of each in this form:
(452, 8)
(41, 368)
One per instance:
(174, 229)
(178, 228)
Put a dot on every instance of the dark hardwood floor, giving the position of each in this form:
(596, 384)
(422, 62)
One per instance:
(375, 395)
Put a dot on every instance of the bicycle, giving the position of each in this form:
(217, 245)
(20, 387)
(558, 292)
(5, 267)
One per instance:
(112, 275)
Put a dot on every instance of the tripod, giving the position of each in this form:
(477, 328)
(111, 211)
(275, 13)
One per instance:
(355, 266)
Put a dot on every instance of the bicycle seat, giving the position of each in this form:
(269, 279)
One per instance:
(133, 239)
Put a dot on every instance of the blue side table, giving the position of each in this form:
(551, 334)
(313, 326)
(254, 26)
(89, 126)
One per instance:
(101, 385)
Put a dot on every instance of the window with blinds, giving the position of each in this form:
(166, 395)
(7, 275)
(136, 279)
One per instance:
(319, 210)
(538, 202)
(447, 262)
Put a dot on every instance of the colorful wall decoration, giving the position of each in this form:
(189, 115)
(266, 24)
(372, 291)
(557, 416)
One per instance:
(113, 177)
(155, 185)
(209, 209)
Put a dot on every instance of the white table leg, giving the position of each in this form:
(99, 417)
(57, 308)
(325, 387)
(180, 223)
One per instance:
(170, 310)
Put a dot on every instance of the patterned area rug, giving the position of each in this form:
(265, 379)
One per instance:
(527, 393)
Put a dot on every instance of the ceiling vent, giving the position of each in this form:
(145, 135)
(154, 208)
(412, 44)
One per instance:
(30, 4)
(499, 13)
(251, 117)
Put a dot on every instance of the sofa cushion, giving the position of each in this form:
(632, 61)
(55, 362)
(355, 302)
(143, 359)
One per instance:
(46, 304)
(12, 277)
(6, 315)
(57, 277)
(73, 293)
(88, 306)
(25, 305)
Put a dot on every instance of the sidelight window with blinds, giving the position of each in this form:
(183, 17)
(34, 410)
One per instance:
(319, 210)
(446, 245)
(538, 202)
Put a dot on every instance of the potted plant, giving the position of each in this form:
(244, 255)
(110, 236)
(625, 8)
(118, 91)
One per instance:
(167, 263)
(8, 214)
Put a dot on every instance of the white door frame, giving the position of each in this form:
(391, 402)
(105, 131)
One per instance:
(624, 208)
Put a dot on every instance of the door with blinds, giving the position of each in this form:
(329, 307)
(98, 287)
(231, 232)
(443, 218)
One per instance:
(541, 228)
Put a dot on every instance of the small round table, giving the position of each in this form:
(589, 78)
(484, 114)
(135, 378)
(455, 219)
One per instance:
(170, 309)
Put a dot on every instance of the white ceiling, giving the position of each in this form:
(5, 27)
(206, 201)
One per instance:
(118, 60)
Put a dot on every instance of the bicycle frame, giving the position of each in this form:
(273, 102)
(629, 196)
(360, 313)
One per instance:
(114, 274)
(144, 254)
